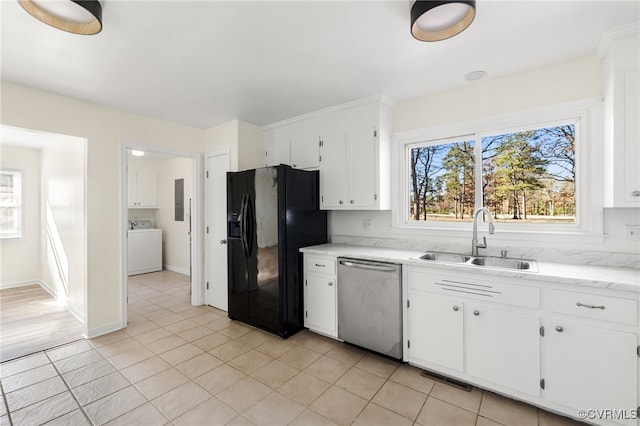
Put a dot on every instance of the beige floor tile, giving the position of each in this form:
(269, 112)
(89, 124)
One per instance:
(211, 341)
(412, 377)
(315, 342)
(400, 399)
(154, 386)
(68, 350)
(377, 365)
(153, 335)
(275, 348)
(244, 394)
(46, 410)
(100, 388)
(35, 393)
(78, 361)
(74, 418)
(311, 418)
(134, 356)
(255, 338)
(220, 378)
(28, 378)
(346, 353)
(119, 347)
(181, 354)
(241, 421)
(546, 418)
(195, 333)
(339, 406)
(328, 369)
(168, 319)
(275, 409)
(360, 382)
(146, 326)
(438, 413)
(229, 350)
(181, 326)
(275, 374)
(180, 400)
(206, 317)
(165, 344)
(300, 357)
(86, 374)
(250, 361)
(218, 324)
(483, 421)
(144, 369)
(146, 414)
(235, 329)
(107, 339)
(376, 415)
(211, 412)
(470, 401)
(114, 405)
(199, 365)
(304, 388)
(507, 411)
(23, 364)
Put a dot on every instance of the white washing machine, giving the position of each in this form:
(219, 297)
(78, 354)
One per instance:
(144, 253)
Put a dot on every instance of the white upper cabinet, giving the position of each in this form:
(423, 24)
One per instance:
(295, 144)
(142, 185)
(621, 73)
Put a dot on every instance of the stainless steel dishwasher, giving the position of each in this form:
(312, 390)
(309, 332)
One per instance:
(369, 305)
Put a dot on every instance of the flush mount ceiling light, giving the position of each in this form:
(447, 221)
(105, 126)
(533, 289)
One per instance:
(475, 75)
(78, 17)
(439, 20)
(137, 153)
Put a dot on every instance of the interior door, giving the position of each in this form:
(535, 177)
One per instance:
(217, 166)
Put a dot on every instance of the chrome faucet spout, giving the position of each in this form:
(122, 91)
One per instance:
(475, 245)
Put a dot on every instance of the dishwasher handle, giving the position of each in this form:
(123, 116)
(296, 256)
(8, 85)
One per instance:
(370, 267)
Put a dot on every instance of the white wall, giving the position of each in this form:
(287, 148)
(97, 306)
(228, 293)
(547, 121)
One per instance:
(63, 218)
(175, 235)
(104, 128)
(20, 258)
(242, 139)
(552, 85)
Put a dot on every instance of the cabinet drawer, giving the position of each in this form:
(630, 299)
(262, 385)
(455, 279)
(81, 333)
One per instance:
(594, 306)
(321, 265)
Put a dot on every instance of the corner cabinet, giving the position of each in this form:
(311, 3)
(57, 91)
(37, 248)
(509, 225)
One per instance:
(320, 295)
(355, 158)
(142, 184)
(296, 144)
(621, 73)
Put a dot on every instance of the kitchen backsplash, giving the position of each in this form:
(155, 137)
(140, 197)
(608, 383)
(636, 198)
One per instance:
(580, 257)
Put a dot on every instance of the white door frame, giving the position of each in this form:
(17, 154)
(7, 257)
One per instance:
(208, 155)
(197, 284)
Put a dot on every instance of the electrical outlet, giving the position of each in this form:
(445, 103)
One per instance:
(367, 224)
(632, 232)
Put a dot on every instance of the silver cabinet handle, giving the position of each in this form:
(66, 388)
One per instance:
(223, 241)
(584, 305)
(476, 313)
(636, 193)
(455, 308)
(319, 265)
(559, 328)
(340, 202)
(369, 267)
(330, 283)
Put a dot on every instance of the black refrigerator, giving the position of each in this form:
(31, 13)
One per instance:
(271, 213)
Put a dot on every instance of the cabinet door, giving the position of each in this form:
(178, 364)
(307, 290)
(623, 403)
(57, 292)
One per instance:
(147, 188)
(320, 303)
(632, 136)
(589, 367)
(276, 146)
(305, 151)
(503, 347)
(361, 177)
(333, 188)
(435, 331)
(132, 188)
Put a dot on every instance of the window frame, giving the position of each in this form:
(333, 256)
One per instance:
(19, 177)
(587, 117)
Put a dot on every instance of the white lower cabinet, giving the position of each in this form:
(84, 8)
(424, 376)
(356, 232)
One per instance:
(320, 295)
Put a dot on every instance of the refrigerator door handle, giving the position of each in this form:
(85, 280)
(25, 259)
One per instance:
(250, 217)
(243, 224)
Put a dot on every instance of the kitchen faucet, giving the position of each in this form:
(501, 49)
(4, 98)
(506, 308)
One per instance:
(475, 245)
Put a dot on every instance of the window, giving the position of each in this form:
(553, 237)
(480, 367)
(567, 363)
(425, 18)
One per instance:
(10, 204)
(523, 176)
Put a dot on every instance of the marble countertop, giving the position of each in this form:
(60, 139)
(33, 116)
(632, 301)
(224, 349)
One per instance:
(625, 279)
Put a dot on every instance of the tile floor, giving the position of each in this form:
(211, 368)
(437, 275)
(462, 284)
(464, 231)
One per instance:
(183, 365)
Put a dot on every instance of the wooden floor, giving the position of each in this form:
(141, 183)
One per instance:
(32, 321)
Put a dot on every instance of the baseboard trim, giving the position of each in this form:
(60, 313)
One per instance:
(75, 312)
(6, 286)
(105, 329)
(175, 269)
(46, 287)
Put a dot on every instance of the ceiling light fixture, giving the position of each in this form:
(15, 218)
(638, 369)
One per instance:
(74, 16)
(137, 153)
(475, 75)
(439, 20)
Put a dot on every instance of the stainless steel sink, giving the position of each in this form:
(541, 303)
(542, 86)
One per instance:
(504, 263)
(445, 257)
(481, 261)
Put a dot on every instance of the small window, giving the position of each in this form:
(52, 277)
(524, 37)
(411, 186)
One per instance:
(524, 176)
(10, 204)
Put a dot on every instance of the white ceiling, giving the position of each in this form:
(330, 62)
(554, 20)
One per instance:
(203, 63)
